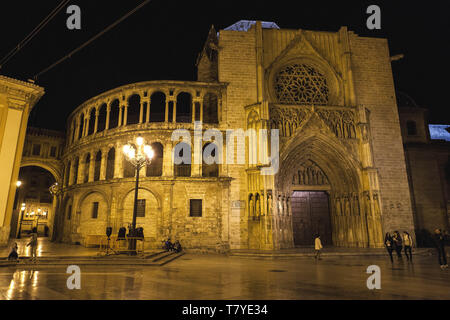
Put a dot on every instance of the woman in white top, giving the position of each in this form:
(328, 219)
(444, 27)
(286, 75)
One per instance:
(407, 245)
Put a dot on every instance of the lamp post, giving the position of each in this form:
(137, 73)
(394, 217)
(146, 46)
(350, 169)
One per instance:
(56, 190)
(138, 155)
(22, 211)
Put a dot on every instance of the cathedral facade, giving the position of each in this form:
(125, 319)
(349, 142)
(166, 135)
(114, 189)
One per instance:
(326, 98)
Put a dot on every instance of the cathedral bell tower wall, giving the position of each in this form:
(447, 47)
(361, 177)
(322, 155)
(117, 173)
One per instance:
(374, 90)
(237, 66)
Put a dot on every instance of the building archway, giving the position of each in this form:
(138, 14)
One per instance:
(148, 215)
(34, 205)
(320, 178)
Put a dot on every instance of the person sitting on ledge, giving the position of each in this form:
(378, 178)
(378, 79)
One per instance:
(13, 255)
(177, 246)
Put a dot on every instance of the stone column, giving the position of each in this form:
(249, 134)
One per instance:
(120, 116)
(118, 172)
(193, 110)
(96, 120)
(201, 110)
(147, 115)
(174, 111)
(141, 112)
(92, 166)
(167, 160)
(71, 173)
(125, 114)
(108, 111)
(103, 164)
(81, 165)
(166, 117)
(87, 120)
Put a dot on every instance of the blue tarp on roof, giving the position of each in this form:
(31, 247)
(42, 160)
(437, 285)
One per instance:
(244, 25)
(439, 131)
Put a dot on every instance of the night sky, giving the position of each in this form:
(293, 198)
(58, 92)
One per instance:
(162, 40)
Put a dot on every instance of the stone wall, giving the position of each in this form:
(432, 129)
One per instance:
(374, 88)
(237, 65)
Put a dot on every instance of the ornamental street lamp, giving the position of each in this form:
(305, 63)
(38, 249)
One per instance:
(55, 190)
(138, 155)
(22, 212)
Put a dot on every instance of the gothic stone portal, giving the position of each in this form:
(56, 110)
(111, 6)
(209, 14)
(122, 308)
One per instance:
(310, 216)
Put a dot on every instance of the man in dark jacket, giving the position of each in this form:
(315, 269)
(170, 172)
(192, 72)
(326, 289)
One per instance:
(398, 246)
(440, 245)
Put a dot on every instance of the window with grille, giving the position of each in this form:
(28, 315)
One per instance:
(301, 84)
(140, 212)
(36, 150)
(94, 210)
(195, 208)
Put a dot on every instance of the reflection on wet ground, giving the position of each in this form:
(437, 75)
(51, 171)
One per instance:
(220, 277)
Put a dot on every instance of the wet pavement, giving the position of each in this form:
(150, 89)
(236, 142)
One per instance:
(219, 277)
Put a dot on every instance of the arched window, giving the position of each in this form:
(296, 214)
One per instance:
(210, 108)
(66, 180)
(134, 107)
(91, 124)
(209, 169)
(110, 164)
(80, 126)
(101, 118)
(87, 164)
(128, 168)
(182, 151)
(411, 128)
(155, 167)
(184, 108)
(301, 84)
(157, 107)
(75, 170)
(114, 114)
(98, 162)
(74, 129)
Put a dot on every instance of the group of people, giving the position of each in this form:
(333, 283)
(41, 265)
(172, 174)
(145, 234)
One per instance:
(397, 242)
(169, 246)
(14, 255)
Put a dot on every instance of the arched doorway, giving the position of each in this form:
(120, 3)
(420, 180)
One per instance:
(324, 187)
(34, 205)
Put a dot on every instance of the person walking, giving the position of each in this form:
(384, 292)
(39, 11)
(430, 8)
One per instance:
(33, 245)
(389, 244)
(397, 239)
(407, 245)
(440, 245)
(318, 247)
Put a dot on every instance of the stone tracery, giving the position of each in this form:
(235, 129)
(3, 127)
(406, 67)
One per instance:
(301, 84)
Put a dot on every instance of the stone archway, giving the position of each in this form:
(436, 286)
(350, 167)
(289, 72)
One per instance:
(319, 162)
(149, 214)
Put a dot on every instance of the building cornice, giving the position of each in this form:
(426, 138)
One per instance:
(20, 94)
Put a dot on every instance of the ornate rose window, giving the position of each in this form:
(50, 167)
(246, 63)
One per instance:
(301, 84)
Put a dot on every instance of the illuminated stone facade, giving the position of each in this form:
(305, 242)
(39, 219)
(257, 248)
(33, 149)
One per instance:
(341, 171)
(17, 98)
